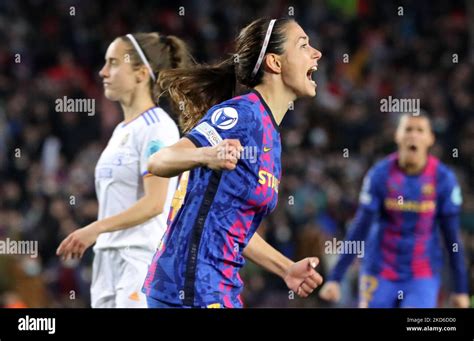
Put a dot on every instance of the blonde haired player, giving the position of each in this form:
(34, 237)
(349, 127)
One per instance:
(132, 203)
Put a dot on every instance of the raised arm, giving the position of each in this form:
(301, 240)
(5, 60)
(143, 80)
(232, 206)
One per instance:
(184, 155)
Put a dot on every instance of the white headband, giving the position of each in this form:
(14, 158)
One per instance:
(264, 47)
(142, 56)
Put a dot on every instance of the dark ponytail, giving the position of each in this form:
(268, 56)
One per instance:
(194, 90)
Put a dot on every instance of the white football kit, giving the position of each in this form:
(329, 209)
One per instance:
(122, 257)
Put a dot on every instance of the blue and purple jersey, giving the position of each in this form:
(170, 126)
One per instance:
(198, 261)
(401, 217)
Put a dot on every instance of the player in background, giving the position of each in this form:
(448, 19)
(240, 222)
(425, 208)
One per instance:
(133, 203)
(231, 188)
(406, 198)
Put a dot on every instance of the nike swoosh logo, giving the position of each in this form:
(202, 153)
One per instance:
(266, 149)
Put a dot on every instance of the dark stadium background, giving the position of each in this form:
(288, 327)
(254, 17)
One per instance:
(405, 56)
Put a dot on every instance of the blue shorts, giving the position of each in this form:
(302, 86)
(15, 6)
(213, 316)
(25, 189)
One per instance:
(377, 292)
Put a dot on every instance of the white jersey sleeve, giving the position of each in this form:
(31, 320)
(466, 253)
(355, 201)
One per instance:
(155, 137)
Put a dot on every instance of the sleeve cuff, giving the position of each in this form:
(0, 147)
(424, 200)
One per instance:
(193, 140)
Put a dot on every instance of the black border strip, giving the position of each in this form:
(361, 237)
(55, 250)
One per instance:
(347, 324)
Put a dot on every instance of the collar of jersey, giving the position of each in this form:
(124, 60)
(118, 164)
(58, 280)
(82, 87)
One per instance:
(277, 127)
(133, 119)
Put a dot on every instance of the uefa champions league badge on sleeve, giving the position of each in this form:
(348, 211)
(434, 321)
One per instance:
(225, 118)
(153, 147)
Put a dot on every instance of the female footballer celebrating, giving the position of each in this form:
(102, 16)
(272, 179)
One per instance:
(228, 195)
(132, 202)
(404, 259)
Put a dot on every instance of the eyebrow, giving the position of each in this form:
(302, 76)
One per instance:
(302, 37)
(110, 59)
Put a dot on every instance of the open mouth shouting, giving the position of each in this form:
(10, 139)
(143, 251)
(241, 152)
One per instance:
(309, 74)
(412, 148)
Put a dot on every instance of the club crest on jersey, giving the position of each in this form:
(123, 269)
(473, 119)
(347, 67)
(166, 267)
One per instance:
(427, 189)
(225, 118)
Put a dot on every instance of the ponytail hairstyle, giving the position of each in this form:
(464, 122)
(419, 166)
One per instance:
(157, 52)
(194, 90)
